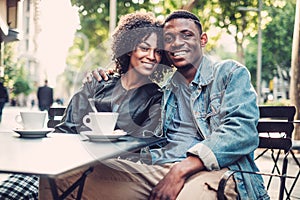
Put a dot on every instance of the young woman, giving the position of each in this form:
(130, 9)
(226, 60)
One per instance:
(137, 51)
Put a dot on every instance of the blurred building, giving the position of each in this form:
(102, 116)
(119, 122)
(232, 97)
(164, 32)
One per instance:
(19, 21)
(28, 46)
(10, 23)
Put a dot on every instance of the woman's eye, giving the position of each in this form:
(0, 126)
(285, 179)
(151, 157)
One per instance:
(160, 52)
(144, 48)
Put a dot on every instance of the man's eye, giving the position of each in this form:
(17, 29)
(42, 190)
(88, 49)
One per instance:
(168, 39)
(186, 35)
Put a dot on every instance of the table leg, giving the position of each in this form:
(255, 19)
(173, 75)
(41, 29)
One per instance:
(79, 183)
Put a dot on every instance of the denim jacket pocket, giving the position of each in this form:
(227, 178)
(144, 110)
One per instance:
(213, 111)
(169, 113)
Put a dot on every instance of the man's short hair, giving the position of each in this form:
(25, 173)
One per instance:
(186, 15)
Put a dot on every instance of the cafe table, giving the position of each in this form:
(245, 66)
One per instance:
(59, 153)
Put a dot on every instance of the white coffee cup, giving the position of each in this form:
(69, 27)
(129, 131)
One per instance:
(101, 122)
(32, 120)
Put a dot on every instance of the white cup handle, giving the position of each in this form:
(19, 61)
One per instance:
(87, 121)
(18, 119)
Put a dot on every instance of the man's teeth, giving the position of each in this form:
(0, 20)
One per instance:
(181, 53)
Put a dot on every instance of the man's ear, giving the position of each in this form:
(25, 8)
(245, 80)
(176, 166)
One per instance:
(203, 39)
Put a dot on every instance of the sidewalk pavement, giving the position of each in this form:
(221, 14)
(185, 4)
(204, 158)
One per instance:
(264, 163)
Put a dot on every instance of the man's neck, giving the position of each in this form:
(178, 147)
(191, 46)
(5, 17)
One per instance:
(188, 72)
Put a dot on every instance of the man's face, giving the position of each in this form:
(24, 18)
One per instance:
(183, 42)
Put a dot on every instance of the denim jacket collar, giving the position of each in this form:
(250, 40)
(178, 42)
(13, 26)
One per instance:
(204, 73)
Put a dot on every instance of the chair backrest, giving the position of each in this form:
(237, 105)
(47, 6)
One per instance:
(275, 127)
(278, 112)
(55, 115)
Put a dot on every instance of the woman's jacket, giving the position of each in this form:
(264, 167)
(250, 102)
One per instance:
(139, 109)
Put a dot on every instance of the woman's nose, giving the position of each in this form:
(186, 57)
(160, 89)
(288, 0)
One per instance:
(151, 54)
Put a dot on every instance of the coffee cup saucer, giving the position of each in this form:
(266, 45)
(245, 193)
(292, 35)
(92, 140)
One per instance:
(33, 133)
(98, 137)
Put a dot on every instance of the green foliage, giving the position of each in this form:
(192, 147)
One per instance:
(21, 83)
(277, 43)
(15, 76)
(21, 86)
(9, 65)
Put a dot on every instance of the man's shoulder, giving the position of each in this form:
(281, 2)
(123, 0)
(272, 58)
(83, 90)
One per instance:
(229, 63)
(227, 66)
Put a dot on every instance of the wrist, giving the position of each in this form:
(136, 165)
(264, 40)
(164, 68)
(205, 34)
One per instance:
(188, 167)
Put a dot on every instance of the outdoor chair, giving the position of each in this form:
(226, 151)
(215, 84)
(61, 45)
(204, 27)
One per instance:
(55, 115)
(275, 129)
(295, 148)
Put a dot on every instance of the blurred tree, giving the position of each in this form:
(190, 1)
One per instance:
(295, 64)
(230, 16)
(276, 44)
(15, 75)
(21, 84)
(10, 65)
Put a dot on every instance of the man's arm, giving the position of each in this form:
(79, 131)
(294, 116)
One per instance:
(38, 93)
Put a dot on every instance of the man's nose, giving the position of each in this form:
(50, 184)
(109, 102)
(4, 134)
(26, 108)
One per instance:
(177, 41)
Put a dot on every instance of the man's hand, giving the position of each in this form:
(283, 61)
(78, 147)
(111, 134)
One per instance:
(99, 74)
(171, 185)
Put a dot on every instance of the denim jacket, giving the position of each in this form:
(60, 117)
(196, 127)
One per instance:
(225, 113)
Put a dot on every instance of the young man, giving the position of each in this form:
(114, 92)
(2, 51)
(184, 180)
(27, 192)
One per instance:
(209, 117)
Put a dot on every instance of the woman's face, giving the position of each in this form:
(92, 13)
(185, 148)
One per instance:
(146, 56)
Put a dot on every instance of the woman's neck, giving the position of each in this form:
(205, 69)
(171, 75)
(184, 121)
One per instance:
(133, 80)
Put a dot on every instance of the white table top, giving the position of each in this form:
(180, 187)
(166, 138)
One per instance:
(57, 153)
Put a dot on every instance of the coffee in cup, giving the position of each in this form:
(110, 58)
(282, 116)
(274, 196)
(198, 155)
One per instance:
(32, 120)
(101, 122)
